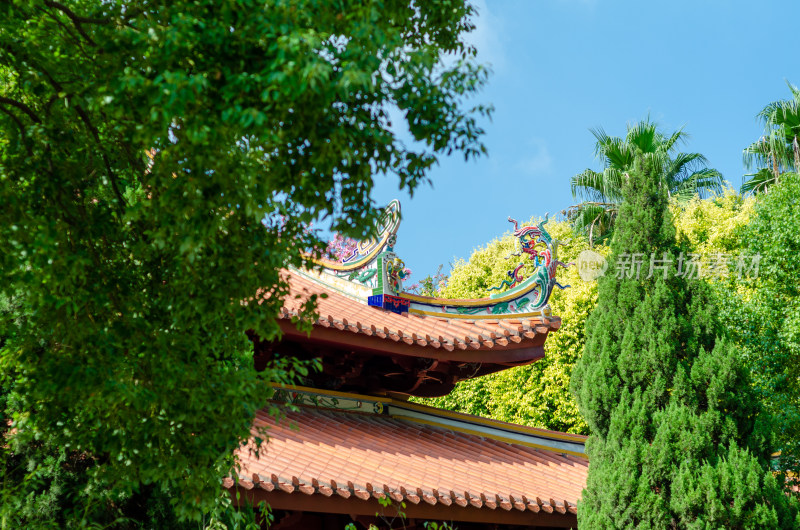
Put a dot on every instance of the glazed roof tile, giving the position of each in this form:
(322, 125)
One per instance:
(341, 312)
(318, 451)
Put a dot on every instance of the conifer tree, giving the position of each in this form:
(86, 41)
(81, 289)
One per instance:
(677, 439)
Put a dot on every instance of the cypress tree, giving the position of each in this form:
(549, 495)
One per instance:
(677, 439)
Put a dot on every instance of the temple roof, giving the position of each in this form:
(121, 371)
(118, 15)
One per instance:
(341, 451)
(344, 449)
(507, 340)
(372, 336)
(371, 350)
(372, 271)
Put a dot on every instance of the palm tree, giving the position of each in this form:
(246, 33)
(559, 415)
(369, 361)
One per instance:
(778, 151)
(684, 174)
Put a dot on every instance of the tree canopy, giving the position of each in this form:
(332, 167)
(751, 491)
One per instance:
(769, 322)
(778, 150)
(677, 437)
(159, 164)
(684, 174)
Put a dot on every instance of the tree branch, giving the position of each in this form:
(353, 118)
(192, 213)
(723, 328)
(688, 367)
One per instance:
(15, 118)
(112, 177)
(49, 104)
(76, 20)
(85, 118)
(21, 106)
(21, 128)
(75, 38)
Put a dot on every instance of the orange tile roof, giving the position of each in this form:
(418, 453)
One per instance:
(338, 311)
(392, 452)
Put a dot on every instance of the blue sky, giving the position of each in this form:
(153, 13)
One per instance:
(561, 67)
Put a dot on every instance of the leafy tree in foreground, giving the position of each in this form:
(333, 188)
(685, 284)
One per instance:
(158, 162)
(778, 151)
(770, 323)
(677, 440)
(684, 175)
(538, 394)
(760, 310)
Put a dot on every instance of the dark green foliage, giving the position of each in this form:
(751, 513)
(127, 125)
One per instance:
(677, 440)
(159, 164)
(44, 488)
(770, 323)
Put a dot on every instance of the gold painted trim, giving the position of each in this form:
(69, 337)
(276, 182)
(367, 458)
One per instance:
(317, 278)
(519, 429)
(336, 266)
(423, 409)
(469, 302)
(502, 316)
(389, 230)
(493, 437)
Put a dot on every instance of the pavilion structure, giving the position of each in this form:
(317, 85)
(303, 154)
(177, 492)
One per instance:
(353, 449)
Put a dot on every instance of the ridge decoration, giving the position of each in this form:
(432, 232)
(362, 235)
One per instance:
(373, 271)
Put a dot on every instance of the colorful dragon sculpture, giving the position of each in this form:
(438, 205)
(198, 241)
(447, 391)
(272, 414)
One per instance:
(545, 261)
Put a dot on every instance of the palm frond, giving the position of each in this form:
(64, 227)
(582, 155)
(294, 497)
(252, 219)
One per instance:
(588, 185)
(621, 158)
(778, 149)
(699, 183)
(690, 159)
(708, 180)
(683, 173)
(598, 187)
(601, 139)
(612, 150)
(795, 91)
(644, 136)
(766, 115)
(593, 220)
(676, 137)
(682, 167)
(612, 184)
(756, 154)
(759, 181)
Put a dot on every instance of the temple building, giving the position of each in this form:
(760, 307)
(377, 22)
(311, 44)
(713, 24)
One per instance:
(353, 449)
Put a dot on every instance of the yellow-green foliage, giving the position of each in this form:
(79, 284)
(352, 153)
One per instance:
(712, 225)
(538, 394)
(716, 226)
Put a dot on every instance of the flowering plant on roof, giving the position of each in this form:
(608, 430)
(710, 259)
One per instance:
(342, 249)
(430, 285)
